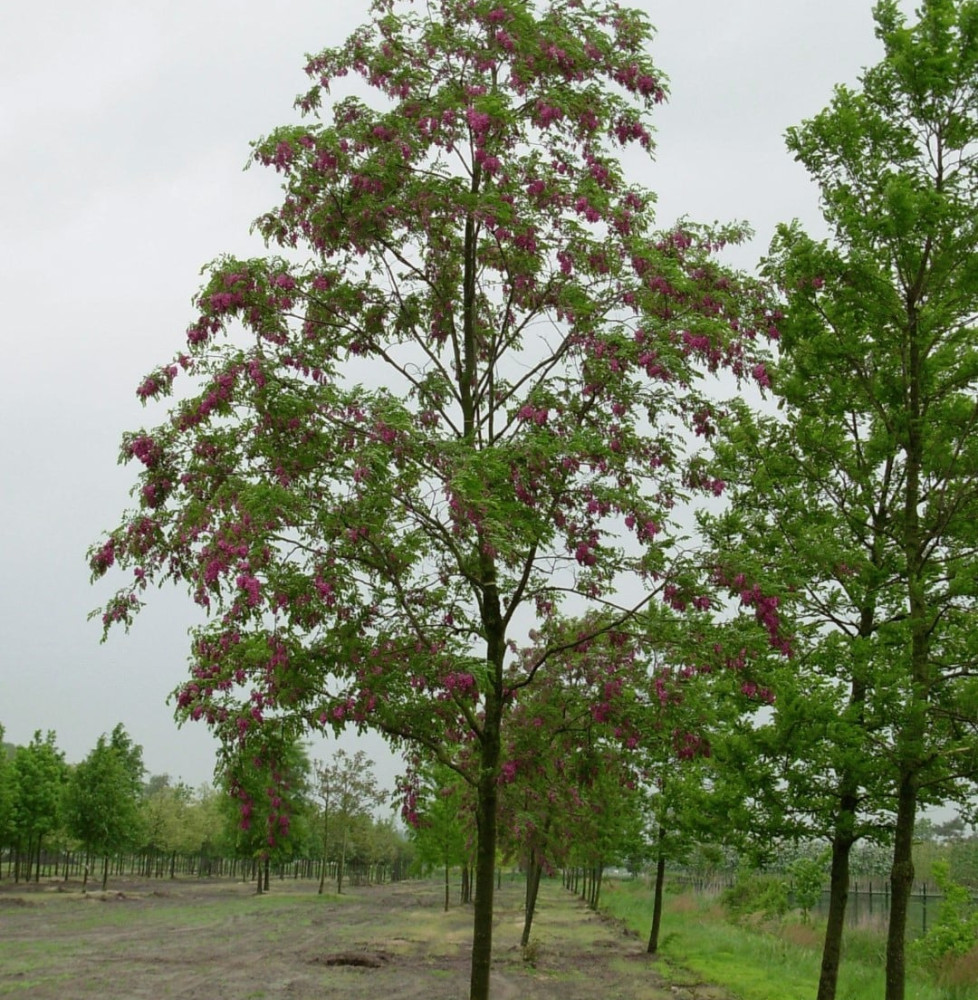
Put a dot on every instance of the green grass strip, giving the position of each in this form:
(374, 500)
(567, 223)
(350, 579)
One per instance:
(697, 944)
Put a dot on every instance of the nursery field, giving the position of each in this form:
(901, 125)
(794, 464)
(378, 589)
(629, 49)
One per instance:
(192, 938)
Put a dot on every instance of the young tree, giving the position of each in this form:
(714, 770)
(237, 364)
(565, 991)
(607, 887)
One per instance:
(38, 776)
(873, 489)
(266, 784)
(439, 831)
(102, 800)
(347, 788)
(176, 819)
(457, 400)
(567, 776)
(131, 757)
(164, 814)
(6, 793)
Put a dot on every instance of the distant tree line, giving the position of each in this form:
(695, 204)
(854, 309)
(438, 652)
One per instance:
(105, 817)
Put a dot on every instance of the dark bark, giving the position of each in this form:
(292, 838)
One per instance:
(835, 922)
(486, 802)
(901, 885)
(341, 864)
(533, 872)
(447, 887)
(485, 882)
(322, 873)
(843, 840)
(105, 871)
(490, 740)
(660, 877)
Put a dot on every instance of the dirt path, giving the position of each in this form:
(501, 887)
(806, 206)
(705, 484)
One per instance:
(191, 939)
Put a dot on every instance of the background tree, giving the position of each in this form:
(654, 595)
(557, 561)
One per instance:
(38, 776)
(880, 456)
(102, 799)
(131, 757)
(164, 815)
(6, 793)
(457, 401)
(177, 819)
(439, 831)
(266, 801)
(347, 788)
(567, 777)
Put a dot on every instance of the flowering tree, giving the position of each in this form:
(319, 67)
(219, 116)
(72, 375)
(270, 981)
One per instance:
(567, 744)
(267, 805)
(456, 400)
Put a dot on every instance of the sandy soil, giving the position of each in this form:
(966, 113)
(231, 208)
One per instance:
(219, 941)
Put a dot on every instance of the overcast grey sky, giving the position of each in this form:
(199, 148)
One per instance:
(124, 128)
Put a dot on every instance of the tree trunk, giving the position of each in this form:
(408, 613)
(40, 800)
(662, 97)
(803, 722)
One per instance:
(105, 870)
(835, 922)
(901, 885)
(267, 863)
(491, 737)
(485, 881)
(533, 872)
(322, 874)
(340, 864)
(447, 887)
(26, 875)
(660, 877)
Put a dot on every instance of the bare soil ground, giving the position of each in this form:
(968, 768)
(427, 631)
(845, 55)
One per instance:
(219, 941)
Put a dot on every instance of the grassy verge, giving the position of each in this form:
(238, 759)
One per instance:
(775, 961)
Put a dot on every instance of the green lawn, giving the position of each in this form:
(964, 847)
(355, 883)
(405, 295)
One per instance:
(775, 961)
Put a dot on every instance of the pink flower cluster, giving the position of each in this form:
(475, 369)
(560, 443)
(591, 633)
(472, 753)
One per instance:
(157, 383)
(146, 450)
(251, 586)
(103, 558)
(765, 611)
(529, 413)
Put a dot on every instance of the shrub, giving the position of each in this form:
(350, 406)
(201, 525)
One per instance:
(754, 894)
(950, 942)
